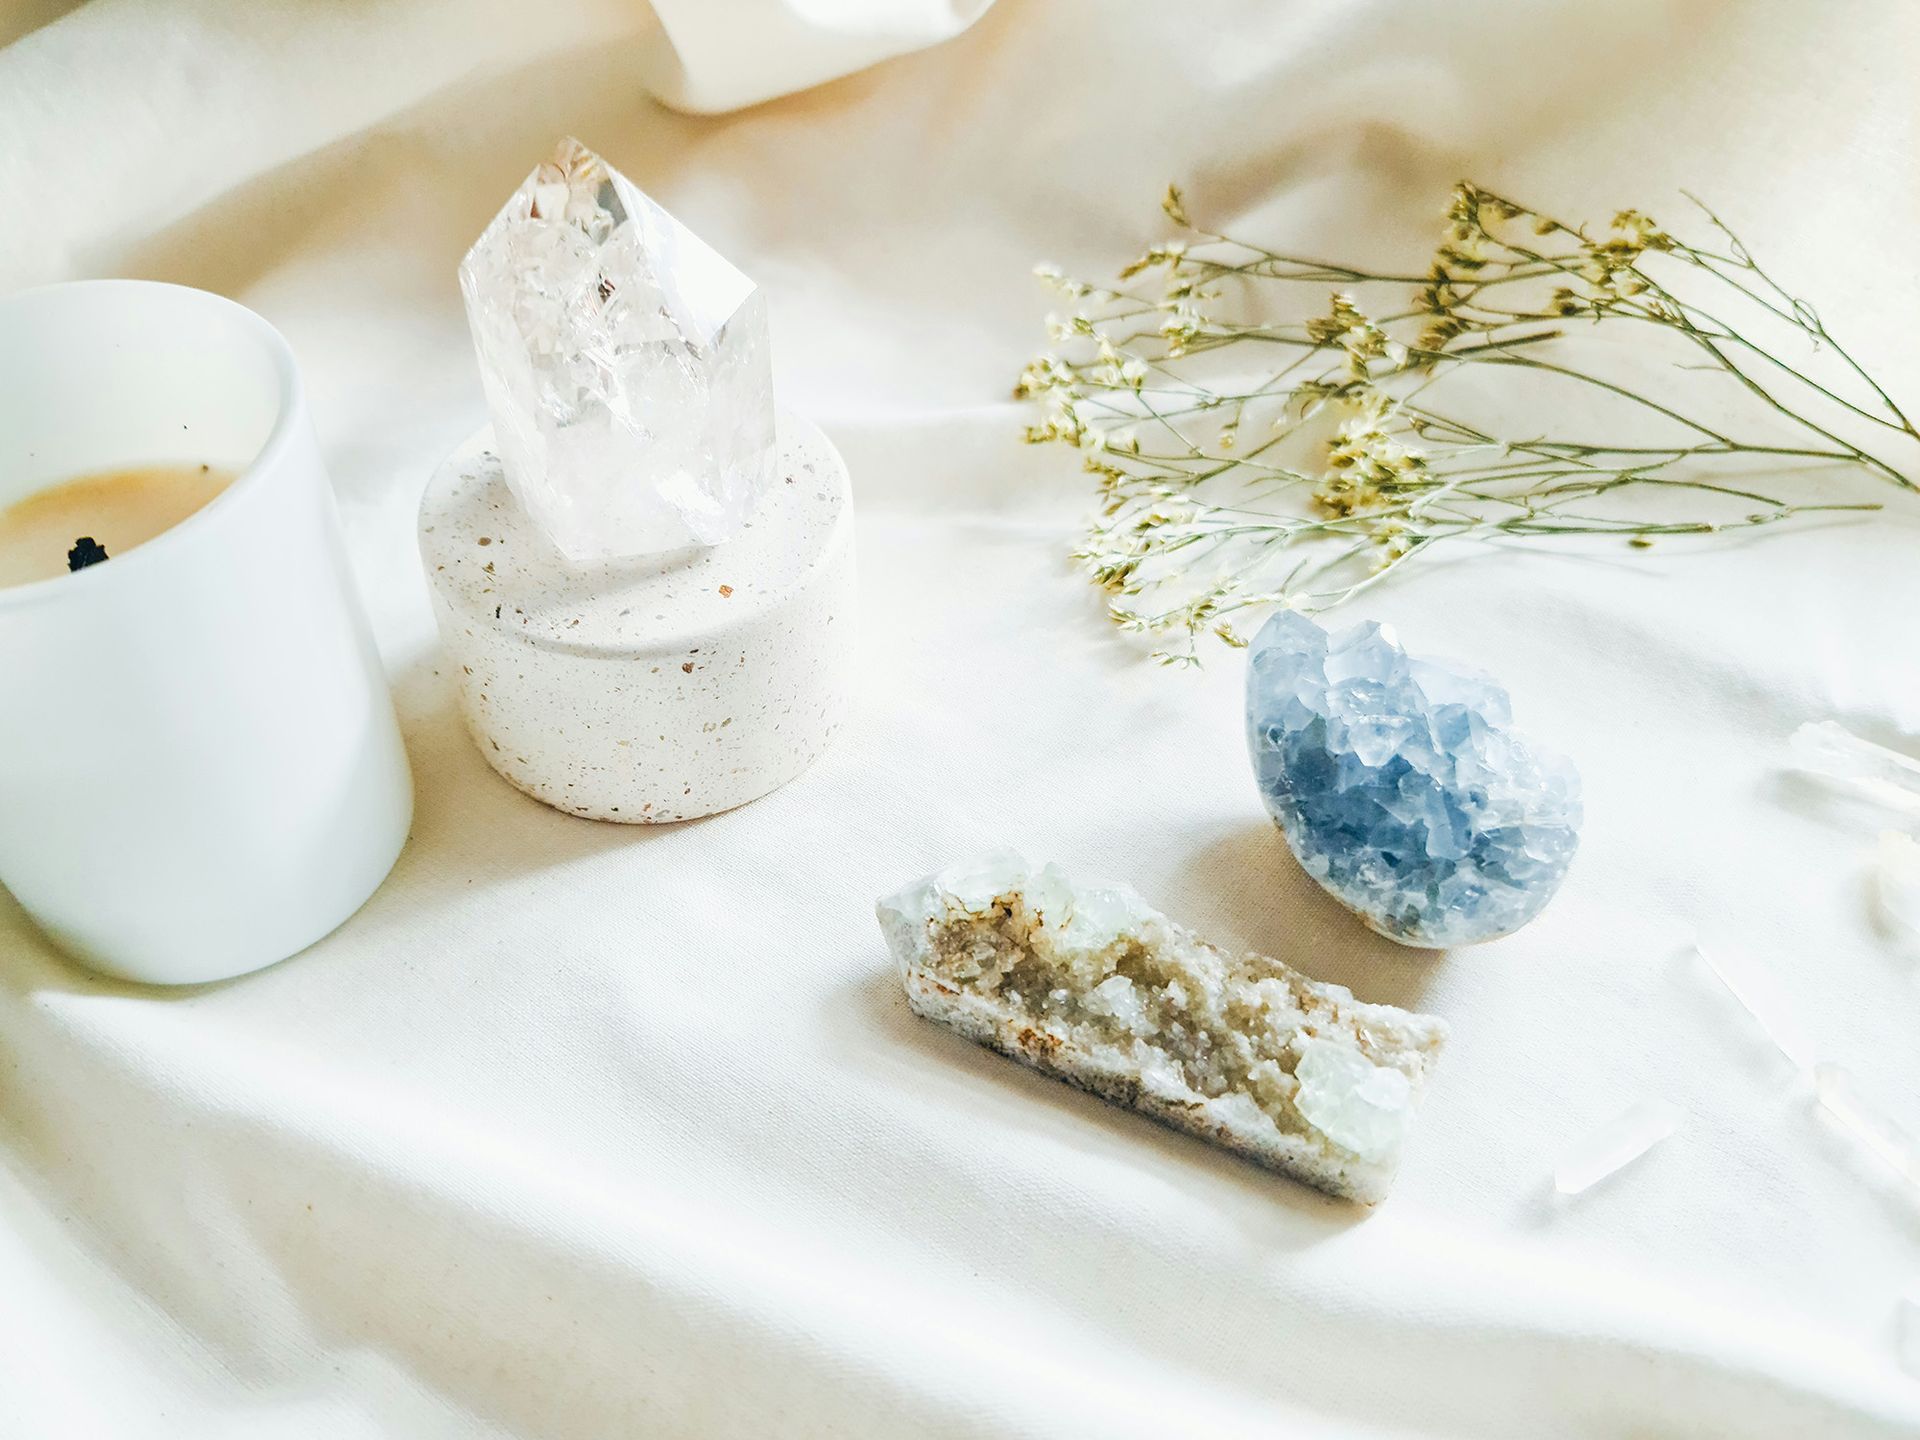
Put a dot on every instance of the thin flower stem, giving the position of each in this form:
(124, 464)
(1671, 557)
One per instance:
(1319, 474)
(1741, 259)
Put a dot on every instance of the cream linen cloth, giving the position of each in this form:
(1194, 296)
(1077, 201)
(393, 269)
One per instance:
(583, 1131)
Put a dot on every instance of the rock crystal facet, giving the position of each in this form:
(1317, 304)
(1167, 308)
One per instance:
(626, 365)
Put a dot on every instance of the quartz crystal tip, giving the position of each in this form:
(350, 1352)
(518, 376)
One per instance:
(1828, 748)
(1753, 986)
(1875, 1130)
(626, 364)
(1615, 1145)
(1401, 786)
(1907, 1331)
(1897, 875)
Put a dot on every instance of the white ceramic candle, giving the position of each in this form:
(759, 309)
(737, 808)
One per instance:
(659, 688)
(200, 770)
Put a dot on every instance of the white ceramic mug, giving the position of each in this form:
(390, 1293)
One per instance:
(200, 770)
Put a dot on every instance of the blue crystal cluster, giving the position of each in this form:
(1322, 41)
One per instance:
(1402, 787)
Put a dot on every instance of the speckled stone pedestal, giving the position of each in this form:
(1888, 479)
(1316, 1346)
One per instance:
(655, 689)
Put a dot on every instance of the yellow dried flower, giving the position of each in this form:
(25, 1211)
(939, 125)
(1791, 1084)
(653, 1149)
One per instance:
(1174, 203)
(1193, 528)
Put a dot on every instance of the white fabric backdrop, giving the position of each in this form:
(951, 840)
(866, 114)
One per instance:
(580, 1131)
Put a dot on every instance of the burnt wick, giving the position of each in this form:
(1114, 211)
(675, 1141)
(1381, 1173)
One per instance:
(86, 551)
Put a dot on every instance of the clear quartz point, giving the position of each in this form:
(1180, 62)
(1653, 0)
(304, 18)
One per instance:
(1825, 747)
(1615, 1145)
(1753, 986)
(626, 364)
(1897, 881)
(1875, 1130)
(1907, 1323)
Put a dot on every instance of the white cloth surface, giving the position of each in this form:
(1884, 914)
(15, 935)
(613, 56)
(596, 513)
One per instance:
(588, 1131)
(720, 57)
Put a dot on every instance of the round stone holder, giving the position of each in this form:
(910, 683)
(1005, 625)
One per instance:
(659, 688)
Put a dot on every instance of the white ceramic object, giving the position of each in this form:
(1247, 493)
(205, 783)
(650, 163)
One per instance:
(200, 770)
(658, 688)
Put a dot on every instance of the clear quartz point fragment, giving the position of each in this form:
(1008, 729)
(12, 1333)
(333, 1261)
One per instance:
(1875, 1130)
(1825, 747)
(1907, 1331)
(1897, 880)
(1753, 985)
(1615, 1145)
(626, 365)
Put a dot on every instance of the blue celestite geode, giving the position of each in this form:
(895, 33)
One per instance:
(1401, 786)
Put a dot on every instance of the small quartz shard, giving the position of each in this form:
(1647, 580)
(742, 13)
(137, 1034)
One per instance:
(1402, 787)
(1091, 985)
(1907, 1331)
(1835, 1089)
(1828, 748)
(1897, 881)
(626, 364)
(1753, 986)
(1615, 1145)
(1871, 1127)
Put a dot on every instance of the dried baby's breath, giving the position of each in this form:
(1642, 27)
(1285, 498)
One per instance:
(1245, 462)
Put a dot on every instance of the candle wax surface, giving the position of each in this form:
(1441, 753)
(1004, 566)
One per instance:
(120, 509)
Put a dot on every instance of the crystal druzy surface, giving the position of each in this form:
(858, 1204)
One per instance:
(626, 365)
(1401, 786)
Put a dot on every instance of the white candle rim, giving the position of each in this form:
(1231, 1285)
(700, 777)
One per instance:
(292, 407)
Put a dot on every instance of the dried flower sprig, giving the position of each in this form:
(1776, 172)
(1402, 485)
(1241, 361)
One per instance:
(1245, 462)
